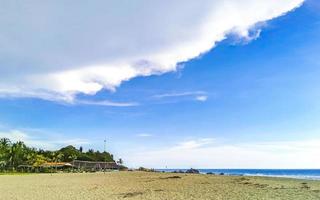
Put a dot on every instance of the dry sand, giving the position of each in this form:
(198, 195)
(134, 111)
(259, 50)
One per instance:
(157, 186)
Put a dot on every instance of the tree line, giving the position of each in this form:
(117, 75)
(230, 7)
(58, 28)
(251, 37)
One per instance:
(15, 154)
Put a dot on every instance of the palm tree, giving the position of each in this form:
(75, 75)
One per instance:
(31, 154)
(5, 142)
(5, 145)
(56, 157)
(18, 154)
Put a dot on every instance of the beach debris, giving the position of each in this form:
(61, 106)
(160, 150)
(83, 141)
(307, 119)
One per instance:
(171, 177)
(243, 179)
(258, 185)
(210, 173)
(131, 194)
(305, 186)
(247, 181)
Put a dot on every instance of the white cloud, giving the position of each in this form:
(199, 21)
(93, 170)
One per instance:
(41, 140)
(56, 49)
(193, 144)
(144, 135)
(202, 98)
(208, 153)
(14, 135)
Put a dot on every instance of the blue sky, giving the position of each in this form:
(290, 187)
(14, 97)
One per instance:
(249, 102)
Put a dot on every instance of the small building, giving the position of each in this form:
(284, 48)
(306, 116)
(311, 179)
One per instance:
(94, 166)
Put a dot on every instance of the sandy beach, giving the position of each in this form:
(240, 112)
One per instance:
(155, 186)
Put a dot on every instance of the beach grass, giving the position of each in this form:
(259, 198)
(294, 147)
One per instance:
(15, 173)
(154, 186)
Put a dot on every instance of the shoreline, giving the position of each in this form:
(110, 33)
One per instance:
(300, 174)
(307, 178)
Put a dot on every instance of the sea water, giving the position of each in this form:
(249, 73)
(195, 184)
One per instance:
(312, 174)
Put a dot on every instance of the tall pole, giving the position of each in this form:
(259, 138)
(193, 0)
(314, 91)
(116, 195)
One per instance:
(105, 155)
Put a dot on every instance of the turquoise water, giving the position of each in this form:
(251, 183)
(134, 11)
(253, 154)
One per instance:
(312, 174)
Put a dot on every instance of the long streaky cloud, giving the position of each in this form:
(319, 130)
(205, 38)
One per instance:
(179, 94)
(106, 103)
(56, 49)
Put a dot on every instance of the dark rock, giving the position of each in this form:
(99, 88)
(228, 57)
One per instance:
(179, 171)
(192, 171)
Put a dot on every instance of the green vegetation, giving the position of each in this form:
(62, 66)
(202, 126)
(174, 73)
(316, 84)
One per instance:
(15, 154)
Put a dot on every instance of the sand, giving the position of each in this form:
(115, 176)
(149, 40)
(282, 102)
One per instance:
(157, 186)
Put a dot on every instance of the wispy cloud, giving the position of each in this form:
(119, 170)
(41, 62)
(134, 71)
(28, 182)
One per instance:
(202, 98)
(66, 101)
(193, 144)
(106, 103)
(179, 94)
(144, 135)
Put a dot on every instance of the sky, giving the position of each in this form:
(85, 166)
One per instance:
(203, 84)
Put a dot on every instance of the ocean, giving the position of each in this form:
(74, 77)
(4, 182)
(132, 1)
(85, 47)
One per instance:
(311, 174)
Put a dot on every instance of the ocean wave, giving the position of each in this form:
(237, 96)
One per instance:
(285, 176)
